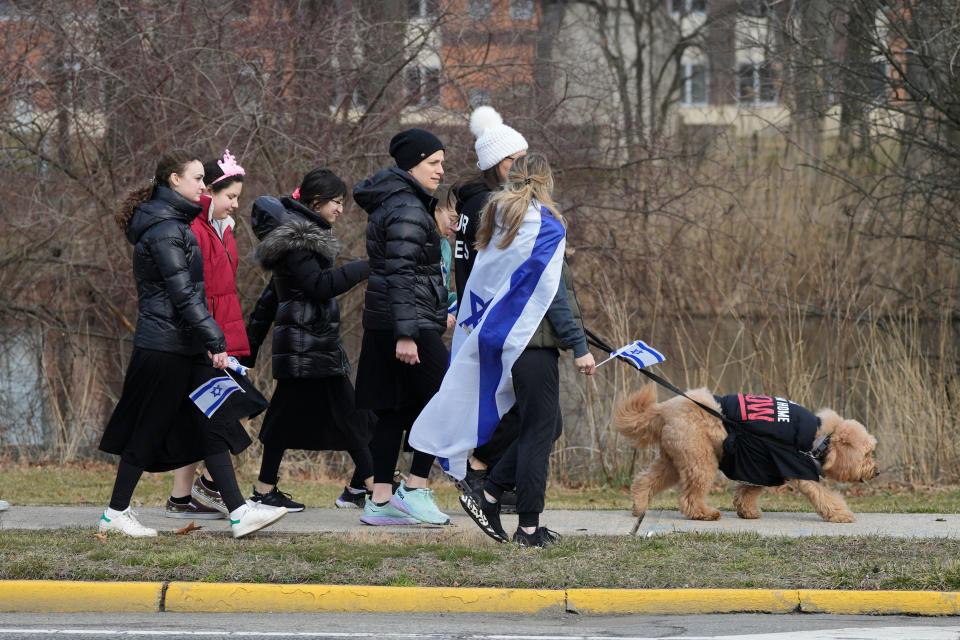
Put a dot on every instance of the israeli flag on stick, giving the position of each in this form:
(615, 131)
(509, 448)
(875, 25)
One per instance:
(211, 395)
(639, 354)
(503, 303)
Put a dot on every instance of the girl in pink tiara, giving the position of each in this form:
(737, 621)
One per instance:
(199, 497)
(155, 426)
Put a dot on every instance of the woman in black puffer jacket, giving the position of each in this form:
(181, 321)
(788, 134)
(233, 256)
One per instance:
(403, 357)
(313, 405)
(155, 426)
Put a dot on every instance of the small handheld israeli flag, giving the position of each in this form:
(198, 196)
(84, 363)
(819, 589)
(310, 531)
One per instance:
(638, 353)
(211, 395)
(234, 365)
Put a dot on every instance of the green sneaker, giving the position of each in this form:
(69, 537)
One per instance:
(377, 516)
(419, 504)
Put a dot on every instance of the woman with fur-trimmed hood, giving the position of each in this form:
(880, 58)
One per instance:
(313, 405)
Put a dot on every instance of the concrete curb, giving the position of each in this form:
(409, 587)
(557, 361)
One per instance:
(66, 596)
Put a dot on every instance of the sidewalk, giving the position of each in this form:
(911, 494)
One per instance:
(567, 523)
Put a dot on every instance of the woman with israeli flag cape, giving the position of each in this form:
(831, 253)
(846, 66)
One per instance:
(513, 288)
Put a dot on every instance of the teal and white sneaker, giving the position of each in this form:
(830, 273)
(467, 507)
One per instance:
(377, 516)
(418, 503)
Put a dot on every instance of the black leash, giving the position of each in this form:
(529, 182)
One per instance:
(600, 343)
(818, 452)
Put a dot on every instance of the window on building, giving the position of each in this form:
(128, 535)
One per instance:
(480, 9)
(421, 8)
(695, 89)
(478, 97)
(423, 85)
(754, 8)
(683, 7)
(756, 84)
(880, 81)
(521, 9)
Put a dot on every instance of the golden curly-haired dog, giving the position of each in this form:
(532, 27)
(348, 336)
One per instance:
(691, 446)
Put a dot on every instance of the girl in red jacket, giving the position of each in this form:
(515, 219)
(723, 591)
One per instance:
(199, 498)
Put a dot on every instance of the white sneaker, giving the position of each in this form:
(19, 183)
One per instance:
(125, 523)
(254, 516)
(4, 505)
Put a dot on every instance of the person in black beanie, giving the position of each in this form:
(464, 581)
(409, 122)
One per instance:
(403, 357)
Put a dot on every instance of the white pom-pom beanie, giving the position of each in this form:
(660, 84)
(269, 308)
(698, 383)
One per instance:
(495, 140)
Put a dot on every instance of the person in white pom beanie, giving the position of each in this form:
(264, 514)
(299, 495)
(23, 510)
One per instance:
(497, 146)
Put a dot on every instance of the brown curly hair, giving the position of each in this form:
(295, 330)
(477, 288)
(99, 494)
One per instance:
(170, 162)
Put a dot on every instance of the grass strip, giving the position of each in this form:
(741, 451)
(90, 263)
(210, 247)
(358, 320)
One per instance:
(76, 485)
(437, 558)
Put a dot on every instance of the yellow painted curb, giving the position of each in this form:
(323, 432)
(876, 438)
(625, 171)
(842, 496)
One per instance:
(688, 601)
(194, 597)
(920, 603)
(65, 596)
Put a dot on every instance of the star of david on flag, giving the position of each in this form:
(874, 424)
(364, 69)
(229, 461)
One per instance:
(477, 306)
(211, 395)
(638, 353)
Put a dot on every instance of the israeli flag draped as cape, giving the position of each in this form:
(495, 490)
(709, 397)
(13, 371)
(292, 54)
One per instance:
(503, 303)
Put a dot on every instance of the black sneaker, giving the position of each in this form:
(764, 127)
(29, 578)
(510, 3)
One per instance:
(508, 502)
(193, 510)
(350, 500)
(277, 498)
(472, 483)
(486, 515)
(542, 537)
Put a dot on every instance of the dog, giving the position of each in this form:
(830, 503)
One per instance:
(694, 445)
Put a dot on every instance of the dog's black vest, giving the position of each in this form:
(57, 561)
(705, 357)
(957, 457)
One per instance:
(772, 441)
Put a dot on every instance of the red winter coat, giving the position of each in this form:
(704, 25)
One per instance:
(220, 279)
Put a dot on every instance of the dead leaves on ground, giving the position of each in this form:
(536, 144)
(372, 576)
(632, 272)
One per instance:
(185, 530)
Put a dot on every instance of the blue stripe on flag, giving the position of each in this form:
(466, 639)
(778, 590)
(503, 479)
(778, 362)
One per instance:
(199, 391)
(656, 354)
(637, 362)
(212, 409)
(504, 315)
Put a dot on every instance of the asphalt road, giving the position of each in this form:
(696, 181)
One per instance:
(354, 626)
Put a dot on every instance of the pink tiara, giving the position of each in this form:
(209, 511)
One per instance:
(229, 167)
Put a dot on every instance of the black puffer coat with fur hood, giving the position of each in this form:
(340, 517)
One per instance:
(306, 336)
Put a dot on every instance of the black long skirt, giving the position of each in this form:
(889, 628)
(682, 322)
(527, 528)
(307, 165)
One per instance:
(155, 426)
(316, 414)
(383, 382)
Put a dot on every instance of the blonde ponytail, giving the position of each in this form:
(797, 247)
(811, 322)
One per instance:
(529, 179)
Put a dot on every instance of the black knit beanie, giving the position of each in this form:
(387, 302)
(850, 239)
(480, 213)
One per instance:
(410, 147)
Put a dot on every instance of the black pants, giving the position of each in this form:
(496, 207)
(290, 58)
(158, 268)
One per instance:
(421, 383)
(506, 432)
(273, 456)
(218, 464)
(526, 462)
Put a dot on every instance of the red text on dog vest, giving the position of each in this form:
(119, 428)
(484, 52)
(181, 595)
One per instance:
(757, 408)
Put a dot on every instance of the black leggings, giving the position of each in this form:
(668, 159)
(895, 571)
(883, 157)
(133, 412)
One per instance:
(362, 466)
(273, 456)
(526, 462)
(422, 382)
(387, 442)
(219, 465)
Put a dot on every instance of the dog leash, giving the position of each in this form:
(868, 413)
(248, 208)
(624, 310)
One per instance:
(817, 453)
(600, 343)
